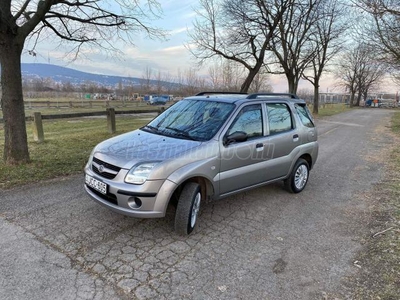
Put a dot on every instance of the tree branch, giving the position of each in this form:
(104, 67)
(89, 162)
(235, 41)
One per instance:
(22, 10)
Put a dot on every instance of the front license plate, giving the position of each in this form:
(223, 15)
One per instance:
(96, 184)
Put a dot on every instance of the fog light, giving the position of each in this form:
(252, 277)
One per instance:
(134, 202)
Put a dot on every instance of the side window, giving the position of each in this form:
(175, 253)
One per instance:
(303, 113)
(279, 118)
(249, 120)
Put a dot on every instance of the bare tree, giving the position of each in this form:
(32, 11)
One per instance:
(261, 83)
(67, 87)
(226, 75)
(383, 32)
(237, 30)
(146, 80)
(371, 73)
(191, 82)
(158, 79)
(169, 83)
(306, 94)
(292, 46)
(83, 22)
(359, 71)
(180, 83)
(214, 76)
(326, 40)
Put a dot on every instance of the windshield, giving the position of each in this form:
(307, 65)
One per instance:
(191, 119)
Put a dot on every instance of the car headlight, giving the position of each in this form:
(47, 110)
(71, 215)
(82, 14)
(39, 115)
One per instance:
(89, 162)
(140, 173)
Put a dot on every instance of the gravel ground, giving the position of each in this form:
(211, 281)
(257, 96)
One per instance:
(55, 243)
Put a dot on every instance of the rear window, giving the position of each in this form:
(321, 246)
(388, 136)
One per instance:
(305, 115)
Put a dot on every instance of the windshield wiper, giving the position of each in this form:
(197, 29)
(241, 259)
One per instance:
(181, 133)
(151, 128)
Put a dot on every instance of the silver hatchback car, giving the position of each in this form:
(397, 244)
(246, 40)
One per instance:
(204, 147)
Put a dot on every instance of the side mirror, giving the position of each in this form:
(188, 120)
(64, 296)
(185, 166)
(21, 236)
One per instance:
(236, 137)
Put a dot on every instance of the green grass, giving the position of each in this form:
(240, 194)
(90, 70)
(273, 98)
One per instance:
(65, 151)
(396, 123)
(79, 107)
(331, 109)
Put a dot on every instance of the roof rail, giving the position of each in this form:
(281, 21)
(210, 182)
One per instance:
(220, 93)
(257, 95)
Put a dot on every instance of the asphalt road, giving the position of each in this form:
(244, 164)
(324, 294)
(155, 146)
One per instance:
(56, 243)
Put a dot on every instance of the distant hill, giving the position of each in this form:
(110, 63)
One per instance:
(62, 74)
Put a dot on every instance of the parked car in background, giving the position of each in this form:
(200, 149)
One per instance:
(204, 148)
(157, 99)
(373, 103)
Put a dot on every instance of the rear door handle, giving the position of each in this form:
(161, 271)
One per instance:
(295, 138)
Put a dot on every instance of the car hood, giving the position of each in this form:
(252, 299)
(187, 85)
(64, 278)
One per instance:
(130, 148)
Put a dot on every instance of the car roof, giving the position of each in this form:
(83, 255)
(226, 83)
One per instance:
(234, 97)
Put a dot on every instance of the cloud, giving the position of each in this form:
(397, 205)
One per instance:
(189, 15)
(178, 30)
(173, 50)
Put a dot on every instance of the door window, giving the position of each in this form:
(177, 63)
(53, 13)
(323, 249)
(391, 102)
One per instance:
(279, 118)
(249, 120)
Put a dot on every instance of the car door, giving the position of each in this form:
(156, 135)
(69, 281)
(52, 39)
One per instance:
(242, 162)
(283, 136)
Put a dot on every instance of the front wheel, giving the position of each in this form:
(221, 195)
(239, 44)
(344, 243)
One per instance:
(297, 180)
(188, 208)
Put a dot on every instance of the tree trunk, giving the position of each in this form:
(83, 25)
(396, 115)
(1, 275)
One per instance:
(358, 99)
(249, 79)
(352, 96)
(316, 97)
(15, 140)
(292, 83)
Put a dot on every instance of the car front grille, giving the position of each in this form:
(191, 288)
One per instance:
(104, 169)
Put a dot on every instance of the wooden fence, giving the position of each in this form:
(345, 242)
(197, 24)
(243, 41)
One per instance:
(38, 133)
(109, 112)
(82, 104)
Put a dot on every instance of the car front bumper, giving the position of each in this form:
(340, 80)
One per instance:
(149, 200)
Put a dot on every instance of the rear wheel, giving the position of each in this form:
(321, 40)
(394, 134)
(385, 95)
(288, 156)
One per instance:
(297, 180)
(188, 208)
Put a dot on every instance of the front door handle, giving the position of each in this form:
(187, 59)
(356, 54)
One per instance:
(259, 147)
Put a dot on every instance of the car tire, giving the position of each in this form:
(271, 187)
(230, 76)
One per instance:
(298, 178)
(187, 209)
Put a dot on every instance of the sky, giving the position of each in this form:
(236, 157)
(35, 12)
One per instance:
(166, 56)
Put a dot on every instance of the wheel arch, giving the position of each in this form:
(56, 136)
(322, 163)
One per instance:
(207, 188)
(307, 157)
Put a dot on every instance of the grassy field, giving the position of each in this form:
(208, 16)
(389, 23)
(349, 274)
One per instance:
(61, 106)
(65, 151)
(68, 144)
(331, 109)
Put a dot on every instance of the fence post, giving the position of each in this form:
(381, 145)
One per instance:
(38, 134)
(111, 120)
